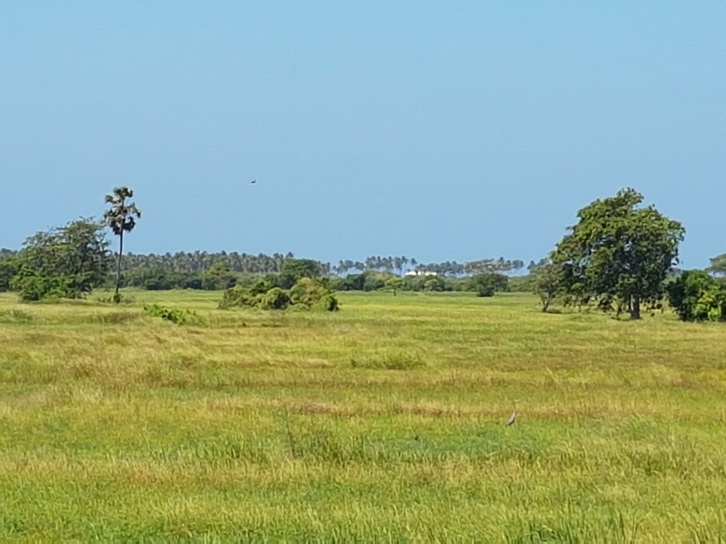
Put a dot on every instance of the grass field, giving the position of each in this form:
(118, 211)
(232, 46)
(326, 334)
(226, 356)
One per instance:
(383, 422)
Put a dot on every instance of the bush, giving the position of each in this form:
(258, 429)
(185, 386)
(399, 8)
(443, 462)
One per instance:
(489, 283)
(34, 286)
(306, 294)
(260, 287)
(374, 281)
(238, 296)
(696, 296)
(434, 283)
(275, 299)
(177, 316)
(352, 282)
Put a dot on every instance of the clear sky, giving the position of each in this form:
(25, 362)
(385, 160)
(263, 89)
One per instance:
(436, 130)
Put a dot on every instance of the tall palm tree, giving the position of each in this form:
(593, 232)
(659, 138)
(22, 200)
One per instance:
(120, 218)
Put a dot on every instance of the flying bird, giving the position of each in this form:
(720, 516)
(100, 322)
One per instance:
(253, 181)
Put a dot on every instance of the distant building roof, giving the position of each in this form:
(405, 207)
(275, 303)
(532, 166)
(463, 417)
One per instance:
(412, 273)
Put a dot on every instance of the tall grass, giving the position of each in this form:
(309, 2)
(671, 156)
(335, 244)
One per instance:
(382, 422)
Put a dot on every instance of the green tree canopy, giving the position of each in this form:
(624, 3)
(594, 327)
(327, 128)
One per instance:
(295, 269)
(65, 262)
(619, 254)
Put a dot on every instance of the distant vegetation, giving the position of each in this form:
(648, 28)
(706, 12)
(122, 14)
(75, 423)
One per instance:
(618, 258)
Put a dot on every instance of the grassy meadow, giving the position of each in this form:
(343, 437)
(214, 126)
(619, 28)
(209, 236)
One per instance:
(383, 422)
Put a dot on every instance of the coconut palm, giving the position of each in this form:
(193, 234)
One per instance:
(121, 217)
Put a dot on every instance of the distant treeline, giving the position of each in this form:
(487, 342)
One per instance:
(620, 257)
(222, 270)
(198, 261)
(212, 271)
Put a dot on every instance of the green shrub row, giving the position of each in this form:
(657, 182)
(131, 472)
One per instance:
(305, 294)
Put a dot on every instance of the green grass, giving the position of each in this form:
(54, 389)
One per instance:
(383, 422)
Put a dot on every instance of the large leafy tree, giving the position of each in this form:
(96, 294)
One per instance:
(120, 217)
(619, 254)
(65, 262)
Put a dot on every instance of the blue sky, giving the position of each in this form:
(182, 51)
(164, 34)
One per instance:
(435, 130)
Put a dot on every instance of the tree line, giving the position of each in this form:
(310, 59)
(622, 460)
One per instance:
(619, 257)
(216, 271)
(69, 261)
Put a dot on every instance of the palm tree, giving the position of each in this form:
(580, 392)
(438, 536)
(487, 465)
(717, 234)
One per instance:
(120, 218)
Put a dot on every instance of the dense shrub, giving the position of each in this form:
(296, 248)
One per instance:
(313, 294)
(306, 294)
(434, 283)
(34, 286)
(175, 315)
(696, 296)
(489, 283)
(274, 299)
(239, 296)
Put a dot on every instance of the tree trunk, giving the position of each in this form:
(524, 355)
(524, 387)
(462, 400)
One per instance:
(635, 308)
(116, 296)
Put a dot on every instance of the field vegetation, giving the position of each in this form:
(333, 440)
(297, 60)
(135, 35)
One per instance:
(384, 421)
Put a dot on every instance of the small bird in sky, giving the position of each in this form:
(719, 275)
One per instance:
(253, 181)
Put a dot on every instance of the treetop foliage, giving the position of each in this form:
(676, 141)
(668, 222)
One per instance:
(121, 216)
